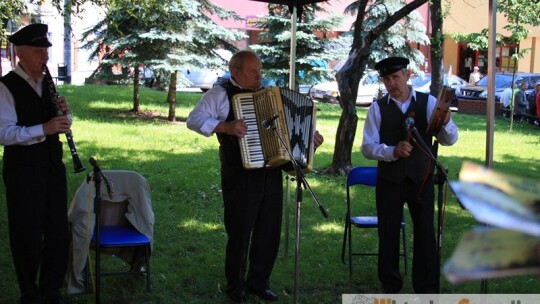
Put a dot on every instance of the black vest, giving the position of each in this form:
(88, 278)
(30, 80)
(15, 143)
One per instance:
(229, 148)
(417, 166)
(31, 110)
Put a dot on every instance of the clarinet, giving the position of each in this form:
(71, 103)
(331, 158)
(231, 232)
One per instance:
(77, 164)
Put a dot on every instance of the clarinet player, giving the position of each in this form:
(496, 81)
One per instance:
(253, 199)
(33, 173)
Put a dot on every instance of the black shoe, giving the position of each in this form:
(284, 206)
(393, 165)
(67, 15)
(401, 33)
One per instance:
(265, 294)
(239, 297)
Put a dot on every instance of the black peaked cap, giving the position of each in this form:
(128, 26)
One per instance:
(391, 65)
(33, 35)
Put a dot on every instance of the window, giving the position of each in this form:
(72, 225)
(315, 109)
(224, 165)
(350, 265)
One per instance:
(507, 63)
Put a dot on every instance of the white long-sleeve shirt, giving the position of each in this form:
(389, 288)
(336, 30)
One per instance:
(372, 148)
(10, 132)
(212, 109)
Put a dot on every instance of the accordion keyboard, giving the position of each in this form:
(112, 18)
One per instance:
(251, 147)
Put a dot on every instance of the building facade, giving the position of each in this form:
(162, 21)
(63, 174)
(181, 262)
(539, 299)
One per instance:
(474, 20)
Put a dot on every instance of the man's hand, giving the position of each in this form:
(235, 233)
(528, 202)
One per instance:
(236, 128)
(447, 118)
(318, 139)
(403, 149)
(58, 124)
(62, 103)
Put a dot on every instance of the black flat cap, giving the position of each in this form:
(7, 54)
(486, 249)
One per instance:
(391, 65)
(33, 35)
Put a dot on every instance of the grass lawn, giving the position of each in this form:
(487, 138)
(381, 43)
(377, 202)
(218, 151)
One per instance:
(182, 168)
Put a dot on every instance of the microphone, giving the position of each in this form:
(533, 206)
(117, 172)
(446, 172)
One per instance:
(105, 179)
(409, 122)
(94, 164)
(267, 123)
(408, 125)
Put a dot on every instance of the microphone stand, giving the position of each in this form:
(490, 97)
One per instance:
(97, 201)
(98, 177)
(440, 178)
(300, 180)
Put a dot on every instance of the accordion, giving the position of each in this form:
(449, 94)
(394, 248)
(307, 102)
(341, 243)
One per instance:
(292, 130)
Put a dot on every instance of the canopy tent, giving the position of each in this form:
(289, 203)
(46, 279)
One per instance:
(296, 9)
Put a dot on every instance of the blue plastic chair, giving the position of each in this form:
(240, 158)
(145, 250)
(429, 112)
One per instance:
(118, 225)
(366, 176)
(120, 236)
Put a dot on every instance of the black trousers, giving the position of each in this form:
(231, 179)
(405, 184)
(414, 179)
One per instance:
(253, 202)
(390, 199)
(38, 228)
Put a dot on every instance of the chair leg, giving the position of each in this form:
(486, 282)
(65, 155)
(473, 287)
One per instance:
(344, 244)
(86, 276)
(350, 250)
(404, 249)
(147, 255)
(97, 296)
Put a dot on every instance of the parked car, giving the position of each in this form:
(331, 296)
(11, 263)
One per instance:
(202, 79)
(266, 82)
(422, 83)
(478, 91)
(367, 89)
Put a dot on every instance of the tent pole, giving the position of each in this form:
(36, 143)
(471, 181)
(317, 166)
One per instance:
(490, 103)
(292, 64)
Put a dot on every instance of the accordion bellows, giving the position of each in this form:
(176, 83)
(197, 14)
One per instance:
(291, 132)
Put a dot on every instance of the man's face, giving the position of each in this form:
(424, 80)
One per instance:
(396, 84)
(32, 59)
(249, 76)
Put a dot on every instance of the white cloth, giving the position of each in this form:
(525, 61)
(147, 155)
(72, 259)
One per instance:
(506, 97)
(372, 148)
(475, 77)
(126, 185)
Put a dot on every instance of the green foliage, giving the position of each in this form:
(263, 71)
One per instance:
(9, 10)
(400, 38)
(518, 14)
(164, 35)
(312, 52)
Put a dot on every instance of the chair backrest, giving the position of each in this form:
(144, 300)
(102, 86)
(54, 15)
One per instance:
(113, 213)
(366, 176)
(362, 176)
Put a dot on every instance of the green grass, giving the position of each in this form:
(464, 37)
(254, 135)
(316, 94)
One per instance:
(182, 168)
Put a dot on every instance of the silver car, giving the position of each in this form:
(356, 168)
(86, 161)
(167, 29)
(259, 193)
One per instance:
(369, 87)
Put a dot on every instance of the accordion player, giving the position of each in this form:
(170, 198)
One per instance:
(291, 133)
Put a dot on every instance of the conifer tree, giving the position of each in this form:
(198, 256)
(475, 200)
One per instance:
(313, 49)
(164, 35)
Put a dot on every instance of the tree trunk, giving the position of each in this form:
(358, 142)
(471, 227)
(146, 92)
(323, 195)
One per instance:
(341, 162)
(437, 39)
(136, 77)
(67, 40)
(348, 79)
(171, 98)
